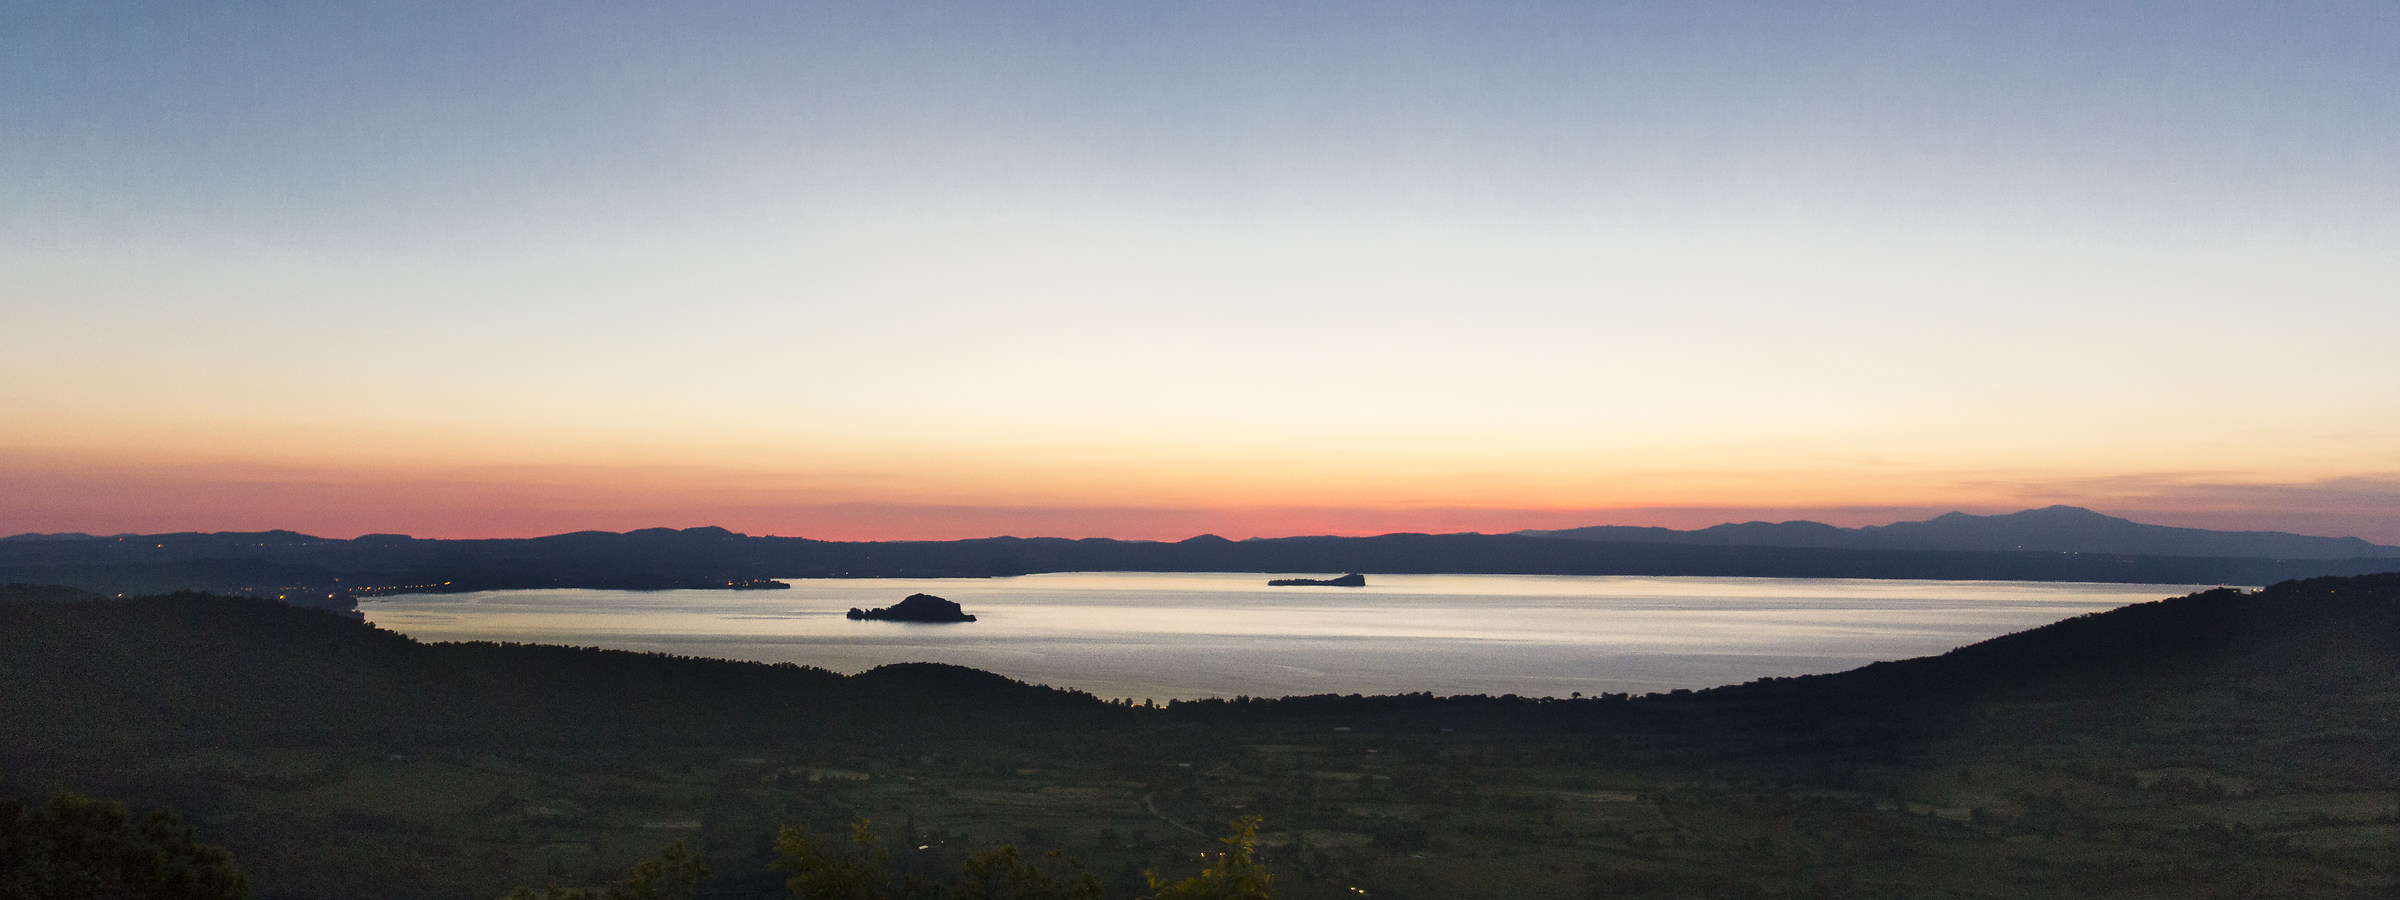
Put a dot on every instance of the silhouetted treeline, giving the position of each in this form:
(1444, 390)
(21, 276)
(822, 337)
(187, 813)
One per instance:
(75, 847)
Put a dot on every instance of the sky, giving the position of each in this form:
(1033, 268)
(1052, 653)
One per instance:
(1150, 270)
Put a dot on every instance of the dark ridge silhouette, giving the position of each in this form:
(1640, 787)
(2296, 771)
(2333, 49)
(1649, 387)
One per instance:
(300, 568)
(2055, 529)
(950, 684)
(239, 669)
(44, 593)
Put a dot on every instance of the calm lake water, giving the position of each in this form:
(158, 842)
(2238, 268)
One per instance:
(1188, 635)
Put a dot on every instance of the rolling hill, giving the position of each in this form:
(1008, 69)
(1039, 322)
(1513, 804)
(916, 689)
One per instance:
(2055, 529)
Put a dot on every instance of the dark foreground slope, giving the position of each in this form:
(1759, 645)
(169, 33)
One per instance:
(2223, 744)
(239, 671)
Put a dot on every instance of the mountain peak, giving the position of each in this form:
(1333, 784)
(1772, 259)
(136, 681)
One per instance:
(2056, 511)
(2058, 528)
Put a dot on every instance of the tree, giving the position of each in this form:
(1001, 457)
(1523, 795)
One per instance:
(823, 873)
(76, 847)
(1236, 874)
(671, 875)
(1004, 874)
(819, 873)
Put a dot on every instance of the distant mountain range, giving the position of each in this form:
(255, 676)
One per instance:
(2057, 544)
(2055, 529)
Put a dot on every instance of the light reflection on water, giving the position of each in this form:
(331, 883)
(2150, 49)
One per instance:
(1183, 635)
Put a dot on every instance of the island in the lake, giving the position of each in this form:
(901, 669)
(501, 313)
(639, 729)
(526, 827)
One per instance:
(916, 608)
(1351, 580)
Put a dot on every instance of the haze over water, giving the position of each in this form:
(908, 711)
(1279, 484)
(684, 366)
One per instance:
(1190, 635)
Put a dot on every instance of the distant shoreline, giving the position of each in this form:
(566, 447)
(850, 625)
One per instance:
(287, 565)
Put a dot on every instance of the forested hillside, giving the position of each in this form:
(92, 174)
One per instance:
(2222, 744)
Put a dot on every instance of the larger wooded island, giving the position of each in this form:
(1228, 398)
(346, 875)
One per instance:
(915, 608)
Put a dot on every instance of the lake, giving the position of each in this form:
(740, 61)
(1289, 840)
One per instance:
(1187, 635)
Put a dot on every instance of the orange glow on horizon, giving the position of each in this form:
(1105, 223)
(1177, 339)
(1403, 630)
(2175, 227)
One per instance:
(57, 493)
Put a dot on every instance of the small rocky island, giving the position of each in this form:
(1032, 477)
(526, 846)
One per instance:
(1351, 580)
(916, 608)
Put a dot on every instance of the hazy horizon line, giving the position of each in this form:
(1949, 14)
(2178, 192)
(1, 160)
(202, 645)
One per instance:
(1352, 533)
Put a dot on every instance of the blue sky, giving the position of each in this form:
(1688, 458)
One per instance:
(369, 124)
